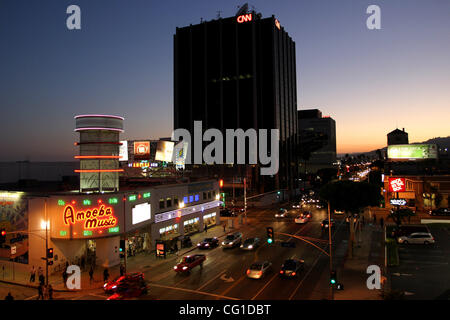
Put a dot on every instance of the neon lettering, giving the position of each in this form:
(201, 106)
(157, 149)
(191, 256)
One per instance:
(244, 18)
(91, 218)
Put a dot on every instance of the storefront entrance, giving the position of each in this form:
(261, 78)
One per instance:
(91, 249)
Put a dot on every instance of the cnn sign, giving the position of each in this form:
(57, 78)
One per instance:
(244, 18)
(397, 184)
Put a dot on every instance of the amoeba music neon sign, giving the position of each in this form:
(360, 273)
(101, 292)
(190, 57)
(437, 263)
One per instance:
(94, 218)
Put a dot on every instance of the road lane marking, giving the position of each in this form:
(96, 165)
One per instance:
(261, 290)
(234, 285)
(204, 285)
(192, 291)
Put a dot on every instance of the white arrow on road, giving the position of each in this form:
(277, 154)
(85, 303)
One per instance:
(224, 278)
(408, 293)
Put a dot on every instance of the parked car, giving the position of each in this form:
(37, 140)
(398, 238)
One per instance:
(291, 267)
(232, 240)
(258, 269)
(325, 224)
(282, 213)
(129, 290)
(440, 212)
(187, 263)
(127, 279)
(417, 238)
(407, 230)
(208, 243)
(250, 244)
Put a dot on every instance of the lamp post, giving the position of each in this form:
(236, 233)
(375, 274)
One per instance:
(329, 243)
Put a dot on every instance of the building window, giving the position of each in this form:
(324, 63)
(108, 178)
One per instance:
(175, 201)
(168, 202)
(204, 195)
(197, 198)
(191, 198)
(161, 203)
(209, 194)
(185, 200)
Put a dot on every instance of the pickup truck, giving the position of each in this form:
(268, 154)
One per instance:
(189, 262)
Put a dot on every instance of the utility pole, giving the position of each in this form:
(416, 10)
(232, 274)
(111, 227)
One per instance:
(329, 243)
(125, 234)
(245, 201)
(46, 243)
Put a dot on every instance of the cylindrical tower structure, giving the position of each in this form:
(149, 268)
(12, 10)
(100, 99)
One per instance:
(99, 152)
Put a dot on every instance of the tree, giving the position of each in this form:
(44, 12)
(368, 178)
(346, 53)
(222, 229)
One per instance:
(350, 197)
(401, 214)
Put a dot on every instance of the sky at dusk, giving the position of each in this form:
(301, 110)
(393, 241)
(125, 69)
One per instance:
(121, 62)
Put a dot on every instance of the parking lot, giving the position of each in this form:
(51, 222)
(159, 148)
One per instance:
(424, 270)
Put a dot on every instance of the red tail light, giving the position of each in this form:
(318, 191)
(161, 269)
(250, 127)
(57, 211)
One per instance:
(293, 273)
(248, 271)
(260, 273)
(281, 271)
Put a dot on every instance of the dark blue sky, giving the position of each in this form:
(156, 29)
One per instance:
(121, 62)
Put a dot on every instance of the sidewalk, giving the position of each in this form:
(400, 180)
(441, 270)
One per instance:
(141, 262)
(352, 273)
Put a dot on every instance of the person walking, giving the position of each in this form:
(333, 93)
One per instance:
(91, 275)
(105, 275)
(40, 292)
(40, 272)
(224, 227)
(206, 228)
(9, 297)
(32, 274)
(50, 292)
(41, 279)
(64, 276)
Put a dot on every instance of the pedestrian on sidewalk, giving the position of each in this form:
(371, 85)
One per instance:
(9, 297)
(65, 276)
(40, 272)
(41, 279)
(91, 275)
(32, 274)
(206, 228)
(224, 227)
(175, 248)
(50, 292)
(105, 275)
(381, 223)
(40, 292)
(122, 270)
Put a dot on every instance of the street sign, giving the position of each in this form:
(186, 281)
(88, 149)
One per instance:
(13, 250)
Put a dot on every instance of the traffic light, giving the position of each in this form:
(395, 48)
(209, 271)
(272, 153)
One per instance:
(221, 183)
(2, 235)
(333, 277)
(122, 246)
(270, 234)
(50, 262)
(49, 253)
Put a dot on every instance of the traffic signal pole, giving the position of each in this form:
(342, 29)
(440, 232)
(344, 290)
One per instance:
(330, 254)
(46, 243)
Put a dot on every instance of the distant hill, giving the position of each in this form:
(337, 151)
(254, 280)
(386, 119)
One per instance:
(442, 142)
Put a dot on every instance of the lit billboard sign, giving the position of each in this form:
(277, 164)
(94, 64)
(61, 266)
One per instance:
(412, 151)
(141, 212)
(277, 24)
(397, 202)
(92, 218)
(244, 18)
(142, 150)
(123, 151)
(164, 151)
(397, 184)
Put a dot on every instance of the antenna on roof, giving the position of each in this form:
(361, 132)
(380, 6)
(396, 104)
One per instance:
(242, 9)
(218, 14)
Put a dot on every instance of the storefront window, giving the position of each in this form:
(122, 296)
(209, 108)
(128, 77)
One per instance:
(209, 219)
(191, 226)
(169, 232)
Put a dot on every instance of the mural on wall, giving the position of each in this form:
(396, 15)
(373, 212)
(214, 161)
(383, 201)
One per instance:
(14, 218)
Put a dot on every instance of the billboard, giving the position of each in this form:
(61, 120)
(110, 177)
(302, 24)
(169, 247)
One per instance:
(397, 184)
(164, 151)
(123, 151)
(179, 154)
(142, 150)
(412, 151)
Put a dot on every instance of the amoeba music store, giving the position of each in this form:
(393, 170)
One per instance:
(90, 226)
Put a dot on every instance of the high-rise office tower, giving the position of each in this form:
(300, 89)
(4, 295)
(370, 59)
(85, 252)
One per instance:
(239, 72)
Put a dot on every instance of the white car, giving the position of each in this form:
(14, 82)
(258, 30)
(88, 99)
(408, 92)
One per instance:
(281, 214)
(417, 238)
(258, 269)
(302, 218)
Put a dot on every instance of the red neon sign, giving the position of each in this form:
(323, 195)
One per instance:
(397, 184)
(95, 218)
(244, 18)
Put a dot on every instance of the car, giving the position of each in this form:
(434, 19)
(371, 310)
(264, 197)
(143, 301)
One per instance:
(417, 238)
(237, 210)
(232, 240)
(325, 224)
(126, 279)
(258, 269)
(291, 267)
(226, 213)
(282, 213)
(297, 205)
(250, 244)
(129, 290)
(440, 212)
(208, 243)
(303, 218)
(338, 212)
(187, 263)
